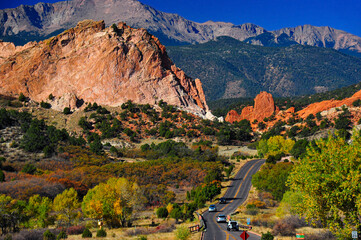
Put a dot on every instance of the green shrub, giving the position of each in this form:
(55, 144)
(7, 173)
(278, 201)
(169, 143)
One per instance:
(356, 103)
(62, 235)
(251, 209)
(271, 159)
(96, 146)
(45, 105)
(142, 238)
(116, 30)
(22, 98)
(48, 151)
(145, 147)
(267, 236)
(87, 233)
(48, 235)
(162, 212)
(66, 110)
(182, 233)
(113, 150)
(342, 122)
(343, 133)
(101, 233)
(83, 123)
(253, 145)
(2, 176)
(29, 168)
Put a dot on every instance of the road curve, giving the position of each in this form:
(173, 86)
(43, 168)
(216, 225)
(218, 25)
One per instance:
(236, 194)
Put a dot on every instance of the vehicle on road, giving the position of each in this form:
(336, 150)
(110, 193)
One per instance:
(212, 208)
(232, 225)
(222, 200)
(221, 218)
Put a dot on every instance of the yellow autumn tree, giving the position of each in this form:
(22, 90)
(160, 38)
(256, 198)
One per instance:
(329, 178)
(67, 205)
(275, 145)
(114, 202)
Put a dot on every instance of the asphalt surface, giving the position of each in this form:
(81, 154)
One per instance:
(236, 194)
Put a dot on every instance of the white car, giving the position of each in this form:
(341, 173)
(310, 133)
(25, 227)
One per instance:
(221, 218)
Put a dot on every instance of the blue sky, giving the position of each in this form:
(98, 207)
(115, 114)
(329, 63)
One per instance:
(270, 14)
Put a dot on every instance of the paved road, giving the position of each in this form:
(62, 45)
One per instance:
(236, 194)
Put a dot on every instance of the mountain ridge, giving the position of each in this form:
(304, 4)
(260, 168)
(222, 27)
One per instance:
(307, 34)
(44, 19)
(231, 69)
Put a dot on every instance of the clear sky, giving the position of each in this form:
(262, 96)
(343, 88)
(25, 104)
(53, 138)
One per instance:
(270, 14)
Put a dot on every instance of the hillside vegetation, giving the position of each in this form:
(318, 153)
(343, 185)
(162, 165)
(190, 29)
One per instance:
(43, 167)
(230, 68)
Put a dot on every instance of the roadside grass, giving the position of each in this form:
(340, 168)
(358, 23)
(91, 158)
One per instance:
(267, 215)
(123, 233)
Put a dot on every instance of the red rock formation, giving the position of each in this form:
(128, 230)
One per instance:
(233, 116)
(264, 106)
(97, 64)
(247, 113)
(314, 108)
(290, 110)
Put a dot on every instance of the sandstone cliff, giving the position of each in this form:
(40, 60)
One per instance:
(91, 63)
(264, 106)
(327, 105)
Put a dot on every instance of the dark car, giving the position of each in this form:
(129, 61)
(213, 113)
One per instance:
(212, 208)
(232, 226)
(222, 200)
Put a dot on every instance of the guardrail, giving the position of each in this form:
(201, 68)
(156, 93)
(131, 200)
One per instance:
(194, 228)
(245, 226)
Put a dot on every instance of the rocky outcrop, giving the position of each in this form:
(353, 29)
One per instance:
(327, 105)
(264, 106)
(233, 116)
(91, 63)
(247, 113)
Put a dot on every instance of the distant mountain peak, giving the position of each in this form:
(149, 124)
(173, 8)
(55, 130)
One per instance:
(324, 36)
(28, 23)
